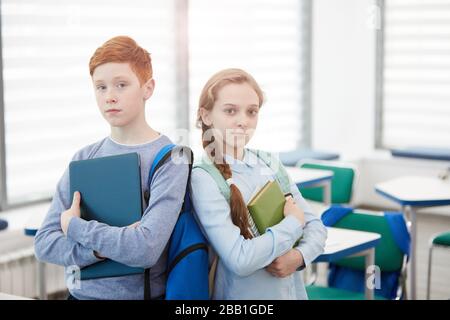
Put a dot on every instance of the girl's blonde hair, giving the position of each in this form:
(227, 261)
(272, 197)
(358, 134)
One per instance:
(238, 208)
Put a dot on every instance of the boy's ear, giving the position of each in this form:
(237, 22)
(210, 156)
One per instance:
(204, 114)
(149, 86)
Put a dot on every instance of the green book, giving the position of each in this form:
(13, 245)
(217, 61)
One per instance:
(266, 206)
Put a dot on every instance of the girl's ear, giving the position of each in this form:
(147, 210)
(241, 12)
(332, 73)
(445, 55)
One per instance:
(149, 86)
(205, 115)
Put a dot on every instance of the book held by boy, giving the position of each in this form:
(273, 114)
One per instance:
(110, 189)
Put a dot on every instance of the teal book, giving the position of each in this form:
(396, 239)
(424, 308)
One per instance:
(110, 190)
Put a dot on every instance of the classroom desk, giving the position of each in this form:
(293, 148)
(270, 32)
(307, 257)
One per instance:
(31, 229)
(413, 193)
(291, 158)
(344, 243)
(308, 178)
(5, 296)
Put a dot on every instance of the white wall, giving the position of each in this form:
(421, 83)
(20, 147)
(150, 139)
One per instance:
(343, 98)
(343, 77)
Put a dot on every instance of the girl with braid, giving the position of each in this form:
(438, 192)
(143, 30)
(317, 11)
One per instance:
(250, 266)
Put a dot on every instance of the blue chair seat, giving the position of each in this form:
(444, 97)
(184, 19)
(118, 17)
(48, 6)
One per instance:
(3, 224)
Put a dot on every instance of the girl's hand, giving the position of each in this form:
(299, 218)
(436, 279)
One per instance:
(291, 208)
(286, 264)
(73, 211)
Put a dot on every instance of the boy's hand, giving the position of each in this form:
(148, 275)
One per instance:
(291, 208)
(98, 256)
(286, 264)
(134, 225)
(73, 211)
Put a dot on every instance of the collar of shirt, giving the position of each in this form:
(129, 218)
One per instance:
(250, 160)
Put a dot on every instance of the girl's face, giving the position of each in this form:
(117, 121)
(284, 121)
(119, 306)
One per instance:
(234, 115)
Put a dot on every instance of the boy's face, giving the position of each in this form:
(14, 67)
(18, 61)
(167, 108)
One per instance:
(120, 97)
(234, 114)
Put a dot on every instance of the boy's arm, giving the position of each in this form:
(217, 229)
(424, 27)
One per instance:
(139, 246)
(50, 244)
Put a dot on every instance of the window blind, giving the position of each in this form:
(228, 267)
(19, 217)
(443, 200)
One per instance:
(270, 40)
(416, 74)
(50, 108)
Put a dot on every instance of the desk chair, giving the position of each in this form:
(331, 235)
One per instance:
(441, 240)
(341, 187)
(3, 224)
(341, 184)
(388, 257)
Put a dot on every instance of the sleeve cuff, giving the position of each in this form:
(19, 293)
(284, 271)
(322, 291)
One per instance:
(75, 231)
(89, 256)
(306, 258)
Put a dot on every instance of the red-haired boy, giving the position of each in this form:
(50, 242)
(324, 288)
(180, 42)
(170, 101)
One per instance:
(123, 81)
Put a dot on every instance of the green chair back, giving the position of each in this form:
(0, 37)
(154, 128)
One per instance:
(341, 184)
(387, 254)
(442, 239)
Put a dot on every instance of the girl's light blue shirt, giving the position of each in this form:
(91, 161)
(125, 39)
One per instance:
(241, 270)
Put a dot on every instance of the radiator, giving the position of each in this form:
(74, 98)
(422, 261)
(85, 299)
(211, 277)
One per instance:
(19, 268)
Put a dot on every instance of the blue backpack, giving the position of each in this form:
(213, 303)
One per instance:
(187, 263)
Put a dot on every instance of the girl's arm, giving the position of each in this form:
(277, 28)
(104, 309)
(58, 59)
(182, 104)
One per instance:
(310, 246)
(314, 233)
(241, 256)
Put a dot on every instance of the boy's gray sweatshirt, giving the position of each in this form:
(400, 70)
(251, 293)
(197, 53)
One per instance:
(144, 246)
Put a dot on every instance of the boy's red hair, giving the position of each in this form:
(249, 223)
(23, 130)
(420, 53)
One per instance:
(124, 49)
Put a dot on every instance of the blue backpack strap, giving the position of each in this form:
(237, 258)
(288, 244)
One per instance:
(160, 158)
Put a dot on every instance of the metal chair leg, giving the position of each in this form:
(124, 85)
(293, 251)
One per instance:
(430, 252)
(311, 276)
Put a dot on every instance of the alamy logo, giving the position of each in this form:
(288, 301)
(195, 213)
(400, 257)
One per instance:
(73, 277)
(374, 279)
